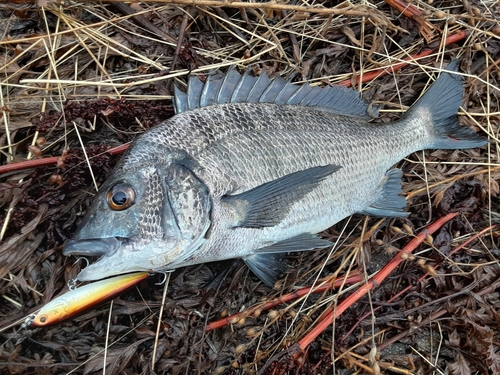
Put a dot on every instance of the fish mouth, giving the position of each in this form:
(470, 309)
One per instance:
(105, 248)
(113, 257)
(92, 247)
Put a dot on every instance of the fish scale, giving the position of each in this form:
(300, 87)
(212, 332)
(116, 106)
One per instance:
(150, 219)
(348, 188)
(252, 168)
(275, 153)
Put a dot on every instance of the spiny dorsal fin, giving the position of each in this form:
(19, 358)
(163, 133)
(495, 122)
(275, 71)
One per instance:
(237, 88)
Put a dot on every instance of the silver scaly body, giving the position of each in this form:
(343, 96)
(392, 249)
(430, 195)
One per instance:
(251, 168)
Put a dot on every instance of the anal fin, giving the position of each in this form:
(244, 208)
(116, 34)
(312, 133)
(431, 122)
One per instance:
(390, 203)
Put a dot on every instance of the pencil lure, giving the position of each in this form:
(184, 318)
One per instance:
(85, 297)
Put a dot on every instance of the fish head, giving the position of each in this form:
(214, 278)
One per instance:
(151, 214)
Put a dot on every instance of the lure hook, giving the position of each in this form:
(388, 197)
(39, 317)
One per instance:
(164, 277)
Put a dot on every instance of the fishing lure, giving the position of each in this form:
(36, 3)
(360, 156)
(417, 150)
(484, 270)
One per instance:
(84, 298)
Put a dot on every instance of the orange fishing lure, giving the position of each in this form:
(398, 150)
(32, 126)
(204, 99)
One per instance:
(85, 297)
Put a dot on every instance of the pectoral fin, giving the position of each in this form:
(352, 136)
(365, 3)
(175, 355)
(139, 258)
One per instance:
(268, 204)
(390, 203)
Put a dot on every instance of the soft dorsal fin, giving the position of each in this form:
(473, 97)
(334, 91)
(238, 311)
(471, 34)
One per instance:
(237, 88)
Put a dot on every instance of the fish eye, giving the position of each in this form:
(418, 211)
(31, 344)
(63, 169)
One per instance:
(43, 319)
(120, 197)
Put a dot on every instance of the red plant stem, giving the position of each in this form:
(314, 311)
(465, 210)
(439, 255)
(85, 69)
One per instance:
(369, 76)
(333, 312)
(284, 299)
(397, 295)
(49, 161)
(407, 9)
(118, 149)
(17, 166)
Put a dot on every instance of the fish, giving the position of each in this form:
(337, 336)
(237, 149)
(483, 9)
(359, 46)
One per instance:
(252, 167)
(83, 298)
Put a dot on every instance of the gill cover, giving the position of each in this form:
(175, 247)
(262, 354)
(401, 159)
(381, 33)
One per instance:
(165, 223)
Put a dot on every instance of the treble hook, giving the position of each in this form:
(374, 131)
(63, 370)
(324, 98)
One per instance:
(164, 277)
(27, 322)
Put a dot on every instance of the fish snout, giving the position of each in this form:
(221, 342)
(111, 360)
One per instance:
(92, 247)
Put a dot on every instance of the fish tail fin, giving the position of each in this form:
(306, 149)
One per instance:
(441, 103)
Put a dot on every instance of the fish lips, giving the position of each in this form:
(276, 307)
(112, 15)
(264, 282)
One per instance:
(92, 247)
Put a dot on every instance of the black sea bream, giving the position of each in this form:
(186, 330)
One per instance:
(252, 168)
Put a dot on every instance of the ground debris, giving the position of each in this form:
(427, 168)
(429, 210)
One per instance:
(118, 111)
(81, 79)
(463, 196)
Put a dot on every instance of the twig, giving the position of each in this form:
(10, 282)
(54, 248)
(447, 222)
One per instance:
(284, 299)
(86, 157)
(179, 47)
(160, 317)
(369, 76)
(412, 12)
(223, 14)
(293, 40)
(143, 21)
(333, 312)
(271, 5)
(106, 344)
(50, 161)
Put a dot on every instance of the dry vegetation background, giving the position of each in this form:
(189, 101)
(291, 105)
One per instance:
(80, 78)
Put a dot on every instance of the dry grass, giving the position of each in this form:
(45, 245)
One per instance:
(83, 77)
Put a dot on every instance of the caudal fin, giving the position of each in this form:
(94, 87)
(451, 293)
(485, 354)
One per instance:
(442, 101)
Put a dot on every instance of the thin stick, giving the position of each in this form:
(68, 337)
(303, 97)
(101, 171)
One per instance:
(86, 156)
(50, 160)
(251, 5)
(415, 14)
(141, 20)
(367, 77)
(178, 48)
(6, 222)
(107, 339)
(159, 321)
